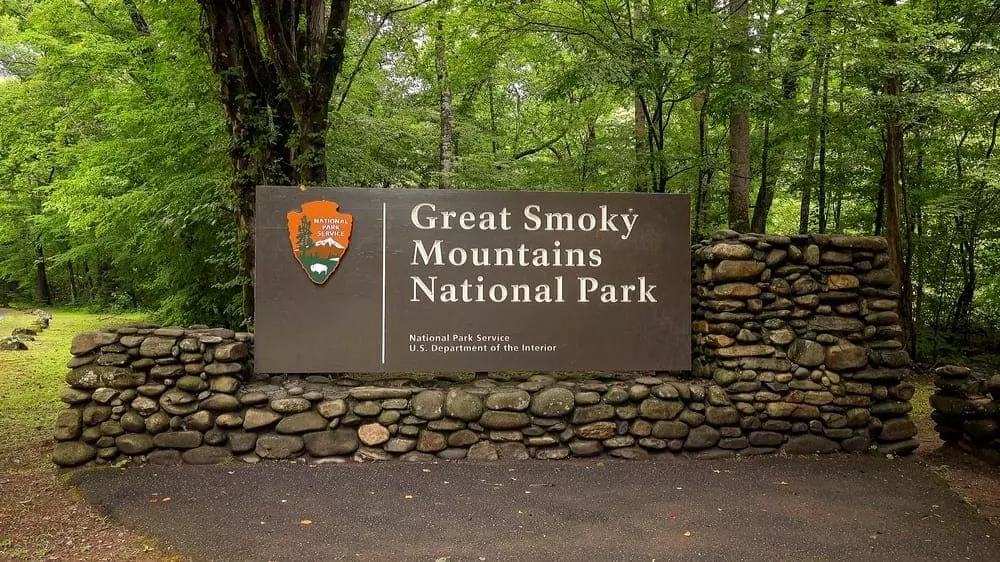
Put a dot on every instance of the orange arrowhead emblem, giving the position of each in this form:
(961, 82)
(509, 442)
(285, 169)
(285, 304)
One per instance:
(319, 234)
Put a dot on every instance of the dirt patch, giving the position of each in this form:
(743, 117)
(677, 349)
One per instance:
(976, 481)
(42, 517)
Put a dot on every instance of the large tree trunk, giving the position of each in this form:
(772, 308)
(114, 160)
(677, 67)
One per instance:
(276, 104)
(701, 99)
(808, 165)
(42, 279)
(893, 187)
(765, 194)
(739, 172)
(446, 144)
(961, 320)
(739, 125)
(821, 203)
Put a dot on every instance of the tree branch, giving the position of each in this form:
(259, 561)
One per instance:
(993, 137)
(140, 23)
(540, 147)
(286, 62)
(368, 45)
(331, 58)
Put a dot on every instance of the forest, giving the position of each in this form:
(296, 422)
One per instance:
(133, 133)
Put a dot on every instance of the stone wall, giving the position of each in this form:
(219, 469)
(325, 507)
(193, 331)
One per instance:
(18, 338)
(967, 410)
(801, 333)
(794, 346)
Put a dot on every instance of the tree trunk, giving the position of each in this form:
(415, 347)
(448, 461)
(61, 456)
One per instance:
(44, 292)
(880, 202)
(762, 206)
(808, 165)
(704, 170)
(493, 121)
(446, 144)
(823, 122)
(961, 321)
(892, 188)
(739, 172)
(589, 145)
(739, 125)
(641, 144)
(277, 104)
(72, 281)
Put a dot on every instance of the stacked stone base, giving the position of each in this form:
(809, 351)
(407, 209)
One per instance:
(173, 395)
(967, 410)
(486, 420)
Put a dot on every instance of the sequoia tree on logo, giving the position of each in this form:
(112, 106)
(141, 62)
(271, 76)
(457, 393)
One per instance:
(319, 234)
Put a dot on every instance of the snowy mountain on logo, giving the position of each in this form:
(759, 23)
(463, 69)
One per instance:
(330, 242)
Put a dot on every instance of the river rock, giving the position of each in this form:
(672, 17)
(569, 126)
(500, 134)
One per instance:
(178, 440)
(372, 434)
(428, 404)
(134, 443)
(72, 453)
(552, 402)
(513, 399)
(301, 423)
(278, 446)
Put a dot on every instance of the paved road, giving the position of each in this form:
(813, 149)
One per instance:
(834, 508)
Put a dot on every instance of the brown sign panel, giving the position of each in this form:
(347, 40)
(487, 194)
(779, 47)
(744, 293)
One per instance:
(412, 280)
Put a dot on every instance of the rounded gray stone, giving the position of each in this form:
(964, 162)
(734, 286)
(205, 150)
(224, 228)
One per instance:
(242, 441)
(495, 419)
(72, 453)
(221, 403)
(278, 446)
(290, 405)
(341, 441)
(134, 443)
(177, 440)
(256, 418)
(508, 399)
(158, 422)
(206, 454)
(332, 408)
(178, 403)
(463, 405)
(552, 402)
(701, 437)
(301, 423)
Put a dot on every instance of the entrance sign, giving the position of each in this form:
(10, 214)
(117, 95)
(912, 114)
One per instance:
(421, 280)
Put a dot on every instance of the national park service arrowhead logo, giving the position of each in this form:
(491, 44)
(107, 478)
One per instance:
(319, 234)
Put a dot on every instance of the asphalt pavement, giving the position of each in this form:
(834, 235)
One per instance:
(841, 507)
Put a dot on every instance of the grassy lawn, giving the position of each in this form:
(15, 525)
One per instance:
(30, 381)
(40, 516)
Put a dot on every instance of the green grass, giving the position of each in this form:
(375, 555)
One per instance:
(30, 381)
(921, 400)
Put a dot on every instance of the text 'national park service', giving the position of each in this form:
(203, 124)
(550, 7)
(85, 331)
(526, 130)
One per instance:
(581, 287)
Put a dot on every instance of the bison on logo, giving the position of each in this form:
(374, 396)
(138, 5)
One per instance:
(319, 234)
